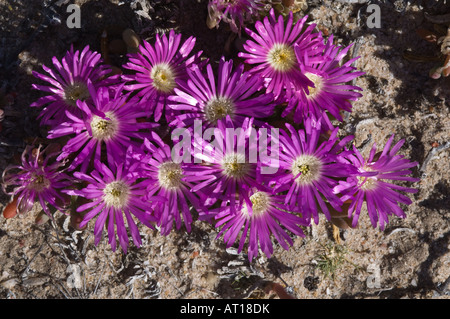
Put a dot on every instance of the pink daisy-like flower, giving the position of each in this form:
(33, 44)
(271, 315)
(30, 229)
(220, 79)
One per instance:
(233, 12)
(113, 122)
(263, 214)
(113, 192)
(371, 184)
(210, 98)
(272, 53)
(167, 180)
(70, 83)
(310, 165)
(38, 178)
(158, 68)
(225, 163)
(330, 92)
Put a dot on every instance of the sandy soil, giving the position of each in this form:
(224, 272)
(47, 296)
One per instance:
(409, 259)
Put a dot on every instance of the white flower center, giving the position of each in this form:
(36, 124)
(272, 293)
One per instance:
(104, 128)
(234, 165)
(318, 83)
(76, 91)
(310, 168)
(367, 182)
(169, 175)
(163, 78)
(260, 204)
(281, 57)
(116, 194)
(218, 108)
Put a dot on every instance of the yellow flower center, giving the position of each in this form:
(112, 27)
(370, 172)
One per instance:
(260, 204)
(218, 108)
(281, 57)
(102, 128)
(169, 175)
(163, 78)
(234, 165)
(310, 168)
(318, 83)
(74, 92)
(116, 194)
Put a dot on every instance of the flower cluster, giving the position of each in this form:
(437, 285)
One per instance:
(180, 138)
(235, 13)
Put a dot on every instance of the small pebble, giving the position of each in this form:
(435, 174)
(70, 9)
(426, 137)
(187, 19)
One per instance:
(10, 283)
(34, 281)
(11, 209)
(41, 218)
(131, 39)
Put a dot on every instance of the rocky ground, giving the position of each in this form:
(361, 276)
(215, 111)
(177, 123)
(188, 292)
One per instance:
(409, 259)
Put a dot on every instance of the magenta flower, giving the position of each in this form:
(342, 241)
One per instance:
(167, 180)
(272, 53)
(263, 214)
(210, 98)
(38, 178)
(371, 184)
(114, 192)
(158, 68)
(331, 92)
(225, 164)
(70, 83)
(113, 122)
(235, 12)
(310, 164)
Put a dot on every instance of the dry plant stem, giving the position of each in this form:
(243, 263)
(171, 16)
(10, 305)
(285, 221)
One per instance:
(444, 288)
(445, 43)
(440, 19)
(397, 230)
(100, 278)
(104, 47)
(61, 291)
(279, 290)
(25, 271)
(431, 155)
(355, 51)
(336, 234)
(420, 58)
